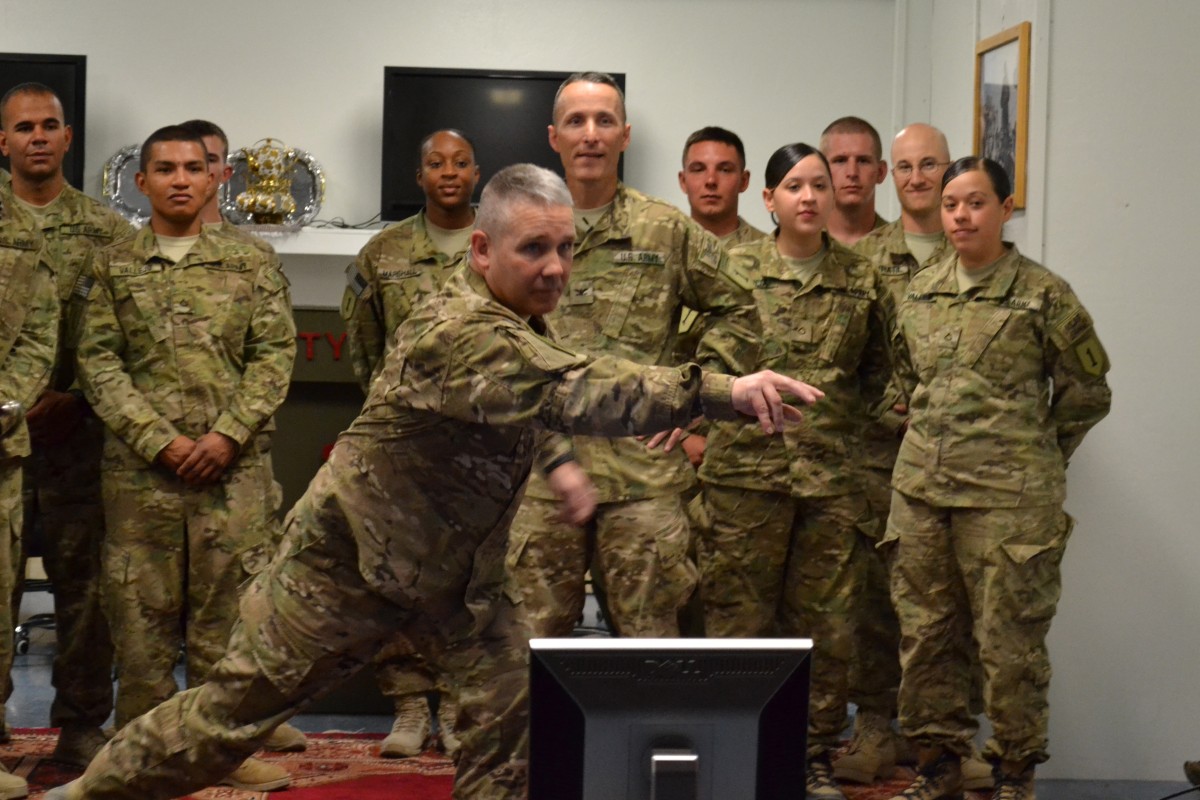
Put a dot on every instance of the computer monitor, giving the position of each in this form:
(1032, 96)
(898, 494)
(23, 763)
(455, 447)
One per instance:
(668, 719)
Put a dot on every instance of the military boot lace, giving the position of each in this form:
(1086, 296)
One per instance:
(941, 780)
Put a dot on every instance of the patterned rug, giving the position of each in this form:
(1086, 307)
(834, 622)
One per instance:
(336, 766)
(884, 790)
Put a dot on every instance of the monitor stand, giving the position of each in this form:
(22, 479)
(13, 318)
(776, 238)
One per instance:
(674, 775)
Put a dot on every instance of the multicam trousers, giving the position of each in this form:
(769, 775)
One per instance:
(775, 565)
(639, 547)
(984, 575)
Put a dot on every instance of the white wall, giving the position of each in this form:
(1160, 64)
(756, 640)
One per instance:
(1112, 147)
(310, 72)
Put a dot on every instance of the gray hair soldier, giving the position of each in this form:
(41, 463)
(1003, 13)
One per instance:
(451, 425)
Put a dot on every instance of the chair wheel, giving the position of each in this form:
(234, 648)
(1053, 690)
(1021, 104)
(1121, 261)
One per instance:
(22, 643)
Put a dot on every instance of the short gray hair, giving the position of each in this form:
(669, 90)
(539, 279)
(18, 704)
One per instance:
(602, 78)
(518, 183)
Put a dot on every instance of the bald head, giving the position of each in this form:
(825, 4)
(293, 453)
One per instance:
(920, 156)
(923, 136)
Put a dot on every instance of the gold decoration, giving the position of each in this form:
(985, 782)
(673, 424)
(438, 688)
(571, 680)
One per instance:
(268, 196)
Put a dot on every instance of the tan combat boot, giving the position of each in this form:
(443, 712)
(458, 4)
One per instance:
(939, 777)
(872, 752)
(286, 739)
(447, 714)
(409, 730)
(256, 775)
(976, 771)
(12, 786)
(1014, 781)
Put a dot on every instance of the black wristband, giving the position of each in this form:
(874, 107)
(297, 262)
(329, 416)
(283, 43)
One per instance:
(558, 462)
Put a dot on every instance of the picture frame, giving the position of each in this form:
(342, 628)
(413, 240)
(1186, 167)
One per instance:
(1002, 103)
(67, 76)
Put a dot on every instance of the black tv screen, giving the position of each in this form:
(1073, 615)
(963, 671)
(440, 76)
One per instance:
(643, 719)
(503, 112)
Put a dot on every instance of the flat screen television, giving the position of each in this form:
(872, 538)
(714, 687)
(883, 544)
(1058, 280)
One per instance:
(668, 719)
(503, 112)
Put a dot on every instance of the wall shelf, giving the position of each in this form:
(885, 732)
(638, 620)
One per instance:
(311, 241)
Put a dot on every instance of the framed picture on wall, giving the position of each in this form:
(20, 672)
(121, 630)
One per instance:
(1002, 103)
(67, 76)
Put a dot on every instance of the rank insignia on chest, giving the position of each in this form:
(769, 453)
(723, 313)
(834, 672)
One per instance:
(893, 270)
(581, 294)
(638, 257)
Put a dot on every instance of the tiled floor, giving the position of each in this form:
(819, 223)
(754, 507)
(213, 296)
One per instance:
(29, 707)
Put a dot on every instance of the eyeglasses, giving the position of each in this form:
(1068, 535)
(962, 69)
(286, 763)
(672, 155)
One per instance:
(928, 167)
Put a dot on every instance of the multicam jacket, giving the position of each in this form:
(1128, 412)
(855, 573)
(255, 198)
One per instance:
(28, 320)
(206, 344)
(635, 272)
(1004, 379)
(832, 333)
(394, 272)
(428, 477)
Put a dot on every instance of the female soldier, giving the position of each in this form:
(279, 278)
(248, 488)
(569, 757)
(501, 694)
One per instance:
(780, 550)
(1005, 375)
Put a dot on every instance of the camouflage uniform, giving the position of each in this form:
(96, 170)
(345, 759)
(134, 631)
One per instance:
(204, 345)
(691, 325)
(1005, 380)
(875, 670)
(634, 272)
(404, 529)
(28, 336)
(62, 483)
(745, 233)
(396, 270)
(786, 522)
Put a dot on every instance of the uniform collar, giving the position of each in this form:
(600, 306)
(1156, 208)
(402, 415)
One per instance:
(613, 224)
(997, 285)
(896, 246)
(422, 247)
(206, 250)
(831, 273)
(466, 280)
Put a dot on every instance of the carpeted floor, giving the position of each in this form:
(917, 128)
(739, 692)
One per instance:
(335, 767)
